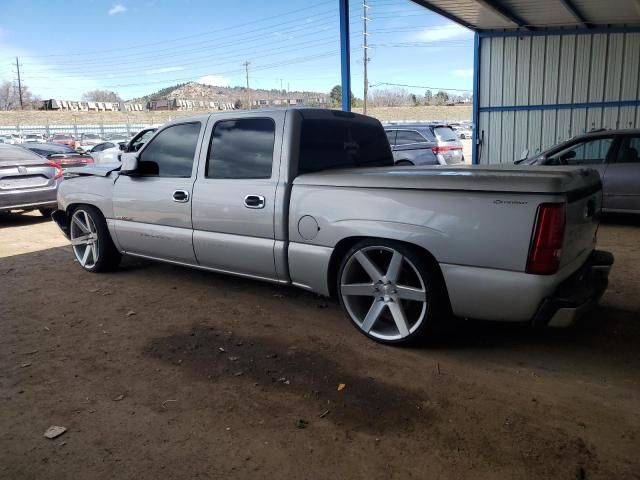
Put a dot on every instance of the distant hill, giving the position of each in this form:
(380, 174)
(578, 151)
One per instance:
(199, 91)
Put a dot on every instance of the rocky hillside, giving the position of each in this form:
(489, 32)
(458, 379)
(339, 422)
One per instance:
(199, 91)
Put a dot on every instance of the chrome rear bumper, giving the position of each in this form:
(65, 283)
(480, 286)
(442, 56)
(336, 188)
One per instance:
(578, 294)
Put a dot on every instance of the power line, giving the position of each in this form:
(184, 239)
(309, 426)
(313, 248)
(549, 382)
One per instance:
(173, 40)
(421, 86)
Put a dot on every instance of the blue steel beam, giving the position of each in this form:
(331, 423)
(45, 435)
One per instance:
(568, 4)
(345, 55)
(476, 99)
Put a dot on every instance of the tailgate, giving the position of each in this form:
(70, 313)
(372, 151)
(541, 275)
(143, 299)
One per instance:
(582, 220)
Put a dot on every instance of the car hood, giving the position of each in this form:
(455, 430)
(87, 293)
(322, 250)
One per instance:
(100, 170)
(488, 178)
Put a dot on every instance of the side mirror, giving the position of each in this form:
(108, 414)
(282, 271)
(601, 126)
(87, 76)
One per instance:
(123, 147)
(129, 164)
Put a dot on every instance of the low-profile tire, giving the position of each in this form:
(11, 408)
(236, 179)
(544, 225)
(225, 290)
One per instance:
(46, 212)
(391, 292)
(91, 241)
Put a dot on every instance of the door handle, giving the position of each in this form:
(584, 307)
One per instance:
(254, 201)
(181, 196)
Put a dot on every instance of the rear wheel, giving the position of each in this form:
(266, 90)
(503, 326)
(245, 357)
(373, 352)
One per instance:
(390, 293)
(91, 241)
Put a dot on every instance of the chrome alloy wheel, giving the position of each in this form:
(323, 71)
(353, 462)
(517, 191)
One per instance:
(384, 293)
(84, 239)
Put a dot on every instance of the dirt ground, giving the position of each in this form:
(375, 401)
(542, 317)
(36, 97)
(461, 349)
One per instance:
(163, 372)
(23, 117)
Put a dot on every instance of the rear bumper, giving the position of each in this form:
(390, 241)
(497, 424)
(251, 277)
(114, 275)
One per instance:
(578, 294)
(28, 199)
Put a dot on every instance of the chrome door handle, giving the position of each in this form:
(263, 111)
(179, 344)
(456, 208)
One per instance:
(254, 201)
(181, 196)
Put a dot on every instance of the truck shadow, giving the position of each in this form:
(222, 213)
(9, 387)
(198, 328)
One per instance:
(279, 370)
(8, 220)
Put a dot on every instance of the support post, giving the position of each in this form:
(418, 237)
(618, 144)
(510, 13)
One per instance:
(475, 113)
(345, 55)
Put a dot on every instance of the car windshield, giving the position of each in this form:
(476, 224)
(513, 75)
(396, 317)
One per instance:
(445, 134)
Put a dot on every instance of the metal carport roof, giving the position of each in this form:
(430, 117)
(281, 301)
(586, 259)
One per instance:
(481, 15)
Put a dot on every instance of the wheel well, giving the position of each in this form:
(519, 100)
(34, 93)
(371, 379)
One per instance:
(404, 162)
(343, 246)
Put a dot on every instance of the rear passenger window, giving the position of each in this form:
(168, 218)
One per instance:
(405, 137)
(629, 151)
(172, 151)
(242, 149)
(391, 135)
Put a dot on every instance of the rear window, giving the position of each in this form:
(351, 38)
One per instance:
(335, 143)
(445, 134)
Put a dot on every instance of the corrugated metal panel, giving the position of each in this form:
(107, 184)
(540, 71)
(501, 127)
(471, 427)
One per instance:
(510, 56)
(485, 71)
(549, 70)
(567, 58)
(523, 71)
(497, 62)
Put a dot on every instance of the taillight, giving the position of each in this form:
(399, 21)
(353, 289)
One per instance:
(444, 148)
(58, 169)
(548, 236)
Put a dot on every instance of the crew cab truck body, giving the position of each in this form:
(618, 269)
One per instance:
(266, 195)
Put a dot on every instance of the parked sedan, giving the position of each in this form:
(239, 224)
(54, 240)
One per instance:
(64, 139)
(109, 152)
(424, 144)
(615, 154)
(61, 154)
(88, 141)
(27, 181)
(34, 138)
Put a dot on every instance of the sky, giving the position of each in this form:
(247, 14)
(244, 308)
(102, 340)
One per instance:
(68, 47)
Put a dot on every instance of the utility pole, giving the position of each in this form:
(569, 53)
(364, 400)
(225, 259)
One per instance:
(246, 70)
(365, 52)
(19, 83)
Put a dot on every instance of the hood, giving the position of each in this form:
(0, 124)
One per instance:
(489, 178)
(100, 170)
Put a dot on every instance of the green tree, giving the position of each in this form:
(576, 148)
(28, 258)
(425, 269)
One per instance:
(441, 97)
(428, 97)
(336, 97)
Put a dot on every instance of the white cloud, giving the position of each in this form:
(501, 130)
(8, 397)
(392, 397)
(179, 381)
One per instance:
(214, 80)
(117, 8)
(164, 70)
(463, 72)
(442, 32)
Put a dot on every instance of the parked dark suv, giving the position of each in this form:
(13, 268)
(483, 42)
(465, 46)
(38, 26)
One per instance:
(424, 144)
(615, 154)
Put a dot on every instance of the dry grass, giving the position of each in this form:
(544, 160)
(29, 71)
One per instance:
(23, 118)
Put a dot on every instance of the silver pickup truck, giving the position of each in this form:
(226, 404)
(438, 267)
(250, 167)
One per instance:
(310, 198)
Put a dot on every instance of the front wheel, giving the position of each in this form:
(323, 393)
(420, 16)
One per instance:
(389, 291)
(91, 241)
